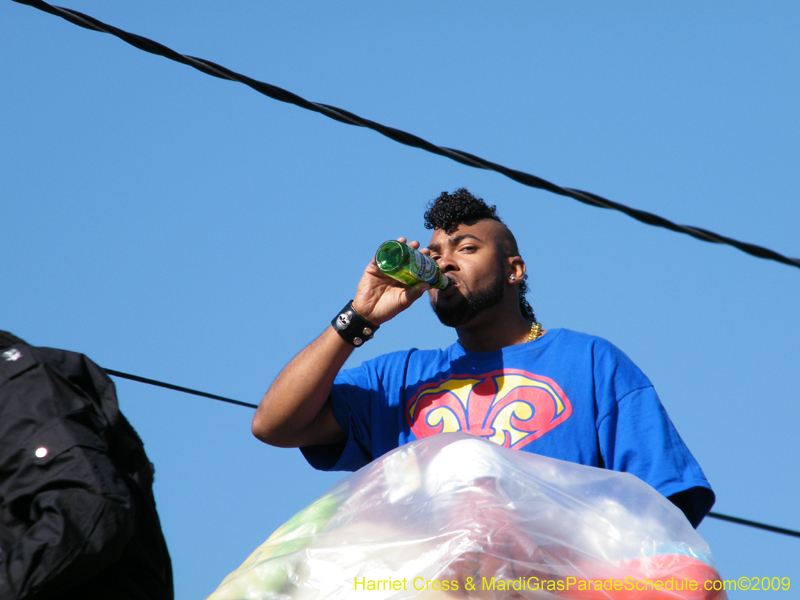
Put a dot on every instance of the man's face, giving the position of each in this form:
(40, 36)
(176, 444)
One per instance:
(472, 257)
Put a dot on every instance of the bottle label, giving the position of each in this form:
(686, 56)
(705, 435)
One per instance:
(422, 267)
(409, 266)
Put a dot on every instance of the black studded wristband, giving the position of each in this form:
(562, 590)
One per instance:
(353, 328)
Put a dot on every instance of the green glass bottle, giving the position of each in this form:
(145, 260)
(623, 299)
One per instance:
(409, 266)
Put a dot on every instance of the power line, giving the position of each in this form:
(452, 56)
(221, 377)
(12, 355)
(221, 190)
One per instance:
(755, 524)
(170, 386)
(178, 388)
(403, 137)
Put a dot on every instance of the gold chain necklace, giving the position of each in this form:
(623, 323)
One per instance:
(536, 332)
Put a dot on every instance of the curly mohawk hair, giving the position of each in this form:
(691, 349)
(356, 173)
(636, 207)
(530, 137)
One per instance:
(448, 211)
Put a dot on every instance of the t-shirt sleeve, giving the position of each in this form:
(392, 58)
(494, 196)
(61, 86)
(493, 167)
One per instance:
(352, 396)
(636, 435)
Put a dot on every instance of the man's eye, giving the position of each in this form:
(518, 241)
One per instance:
(468, 249)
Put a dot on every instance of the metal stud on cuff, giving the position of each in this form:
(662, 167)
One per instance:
(353, 328)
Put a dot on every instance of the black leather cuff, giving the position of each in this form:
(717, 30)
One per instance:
(353, 328)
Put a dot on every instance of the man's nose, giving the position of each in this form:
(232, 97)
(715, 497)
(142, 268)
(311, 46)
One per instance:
(446, 262)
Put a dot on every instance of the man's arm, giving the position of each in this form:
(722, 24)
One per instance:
(295, 411)
(694, 503)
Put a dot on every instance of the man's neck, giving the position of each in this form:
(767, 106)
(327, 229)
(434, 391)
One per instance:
(490, 332)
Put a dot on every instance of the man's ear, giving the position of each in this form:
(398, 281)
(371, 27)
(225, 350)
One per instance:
(516, 269)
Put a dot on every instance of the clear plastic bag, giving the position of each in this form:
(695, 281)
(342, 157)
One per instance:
(455, 516)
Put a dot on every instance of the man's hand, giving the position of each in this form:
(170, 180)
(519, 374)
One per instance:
(380, 298)
(295, 411)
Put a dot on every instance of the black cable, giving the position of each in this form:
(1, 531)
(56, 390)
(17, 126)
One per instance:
(402, 137)
(178, 388)
(204, 394)
(755, 524)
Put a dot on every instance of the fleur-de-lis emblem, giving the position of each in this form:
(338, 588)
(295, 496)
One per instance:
(509, 407)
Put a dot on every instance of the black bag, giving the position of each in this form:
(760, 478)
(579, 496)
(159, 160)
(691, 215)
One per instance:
(77, 513)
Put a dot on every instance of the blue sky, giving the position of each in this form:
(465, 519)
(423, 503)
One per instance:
(187, 229)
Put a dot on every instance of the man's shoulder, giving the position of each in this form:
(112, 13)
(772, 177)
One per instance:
(577, 339)
(601, 351)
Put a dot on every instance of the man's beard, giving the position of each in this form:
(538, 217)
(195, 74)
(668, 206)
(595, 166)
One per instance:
(470, 305)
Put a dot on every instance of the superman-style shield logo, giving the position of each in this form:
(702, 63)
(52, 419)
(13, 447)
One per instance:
(509, 407)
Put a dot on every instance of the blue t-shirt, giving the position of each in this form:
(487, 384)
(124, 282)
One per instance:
(567, 395)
